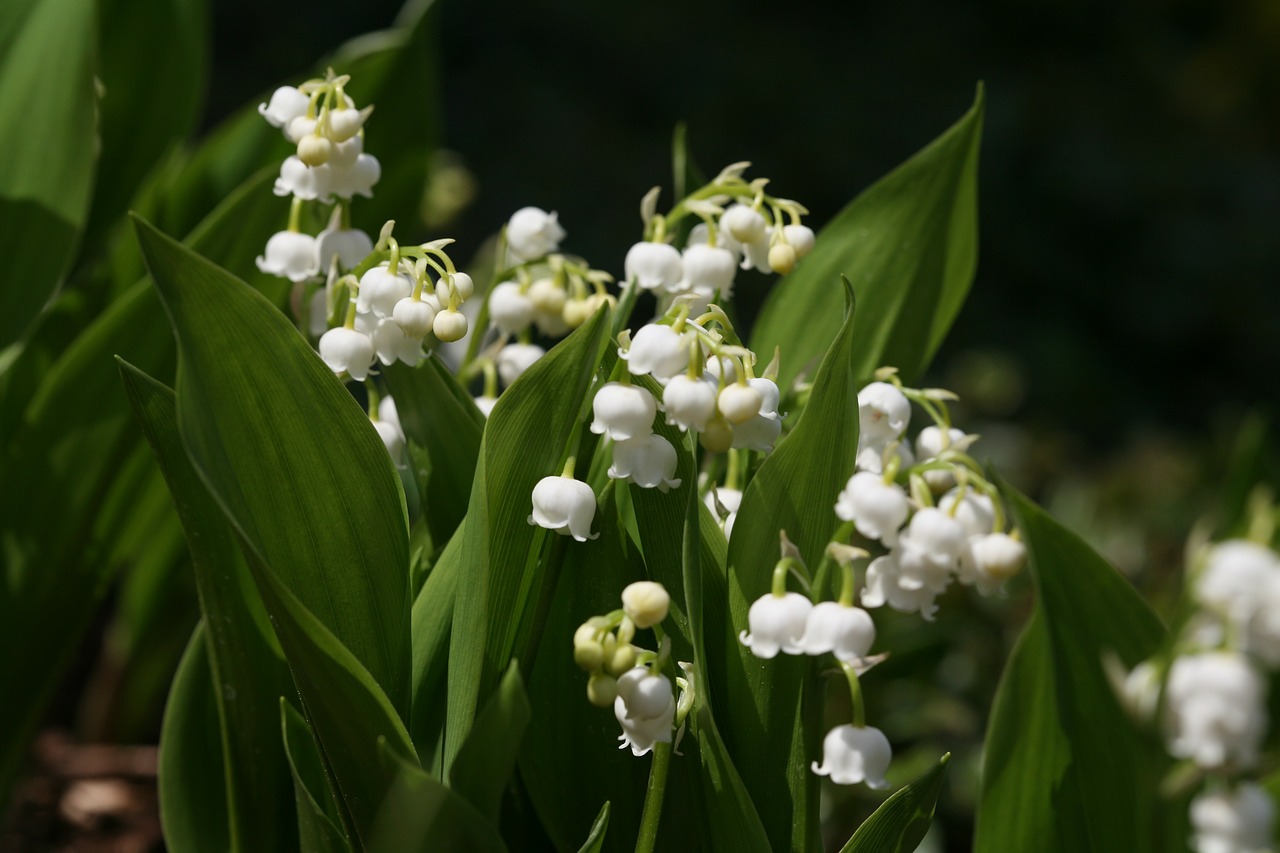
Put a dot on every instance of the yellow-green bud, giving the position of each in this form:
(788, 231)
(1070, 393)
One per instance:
(602, 690)
(587, 651)
(314, 150)
(450, 325)
(718, 436)
(646, 603)
(623, 659)
(575, 312)
(782, 258)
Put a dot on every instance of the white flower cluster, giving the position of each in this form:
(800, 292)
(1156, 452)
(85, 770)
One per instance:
(949, 524)
(631, 678)
(1211, 695)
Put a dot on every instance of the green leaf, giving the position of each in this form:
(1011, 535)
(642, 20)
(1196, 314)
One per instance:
(192, 788)
(595, 839)
(432, 624)
(438, 416)
(1064, 766)
(526, 439)
(242, 655)
(482, 769)
(900, 824)
(420, 814)
(47, 135)
(345, 708)
(291, 458)
(909, 244)
(317, 819)
(793, 493)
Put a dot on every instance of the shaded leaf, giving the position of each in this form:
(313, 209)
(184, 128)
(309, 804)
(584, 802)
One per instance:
(482, 769)
(595, 839)
(900, 823)
(317, 821)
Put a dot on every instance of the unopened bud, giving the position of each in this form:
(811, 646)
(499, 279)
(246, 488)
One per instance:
(718, 436)
(782, 258)
(646, 603)
(624, 658)
(546, 296)
(587, 651)
(314, 150)
(450, 325)
(602, 690)
(739, 403)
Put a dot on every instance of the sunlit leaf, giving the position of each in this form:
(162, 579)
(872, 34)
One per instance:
(900, 824)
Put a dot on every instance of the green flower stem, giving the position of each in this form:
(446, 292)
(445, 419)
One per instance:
(855, 695)
(295, 215)
(848, 583)
(842, 535)
(648, 837)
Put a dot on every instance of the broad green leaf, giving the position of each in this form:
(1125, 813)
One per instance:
(317, 821)
(190, 763)
(243, 659)
(792, 493)
(900, 824)
(595, 839)
(482, 769)
(47, 134)
(432, 624)
(526, 438)
(438, 416)
(63, 460)
(420, 814)
(345, 707)
(909, 244)
(290, 457)
(1057, 721)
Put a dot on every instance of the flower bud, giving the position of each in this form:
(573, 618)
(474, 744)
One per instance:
(646, 603)
(689, 403)
(345, 123)
(800, 237)
(623, 659)
(314, 150)
(744, 224)
(415, 317)
(509, 309)
(782, 258)
(298, 127)
(576, 312)
(602, 689)
(739, 403)
(450, 325)
(718, 435)
(588, 653)
(546, 296)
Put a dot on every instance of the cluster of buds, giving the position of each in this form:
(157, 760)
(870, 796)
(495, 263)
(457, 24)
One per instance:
(792, 623)
(394, 305)
(628, 677)
(741, 227)
(932, 509)
(1209, 693)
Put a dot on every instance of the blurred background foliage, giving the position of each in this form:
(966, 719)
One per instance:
(1117, 352)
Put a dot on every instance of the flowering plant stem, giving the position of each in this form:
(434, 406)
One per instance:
(652, 813)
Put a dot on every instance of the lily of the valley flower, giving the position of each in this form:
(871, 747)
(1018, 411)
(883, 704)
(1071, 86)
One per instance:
(846, 631)
(381, 289)
(532, 233)
(646, 603)
(514, 359)
(657, 350)
(777, 622)
(853, 754)
(654, 266)
(883, 413)
(346, 350)
(510, 309)
(623, 411)
(883, 586)
(350, 245)
(929, 551)
(989, 560)
(1233, 820)
(1216, 709)
(649, 461)
(564, 505)
(877, 509)
(645, 708)
(291, 255)
(689, 403)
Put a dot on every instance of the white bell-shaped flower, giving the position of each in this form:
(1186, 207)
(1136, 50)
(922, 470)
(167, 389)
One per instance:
(649, 461)
(298, 127)
(642, 727)
(755, 255)
(356, 179)
(388, 412)
(657, 350)
(883, 413)
(739, 402)
(345, 154)
(646, 603)
(564, 505)
(708, 269)
(350, 245)
(547, 296)
(770, 397)
(846, 631)
(391, 437)
(514, 359)
(883, 585)
(929, 550)
(973, 510)
(1216, 707)
(744, 224)
(800, 238)
(346, 350)
(1233, 820)
(623, 411)
(286, 104)
(1139, 693)
(654, 266)
(532, 233)
(722, 364)
(851, 755)
(345, 122)
(1234, 572)
(776, 622)
(485, 404)
(509, 309)
(877, 509)
(392, 344)
(689, 403)
(300, 180)
(930, 444)
(730, 499)
(414, 316)
(758, 433)
(990, 559)
(290, 255)
(380, 290)
(700, 234)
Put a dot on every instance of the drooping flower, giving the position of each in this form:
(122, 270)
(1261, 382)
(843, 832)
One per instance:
(1215, 703)
(877, 509)
(564, 505)
(654, 266)
(657, 350)
(757, 433)
(708, 270)
(846, 631)
(989, 560)
(883, 413)
(514, 359)
(350, 245)
(777, 622)
(623, 411)
(689, 403)
(929, 550)
(381, 289)
(392, 344)
(739, 402)
(286, 104)
(346, 350)
(649, 461)
(642, 726)
(1233, 820)
(532, 233)
(883, 585)
(852, 754)
(509, 309)
(744, 224)
(290, 255)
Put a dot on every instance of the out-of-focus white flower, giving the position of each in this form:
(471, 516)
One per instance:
(351, 245)
(1241, 582)
(381, 289)
(290, 255)
(1140, 691)
(846, 631)
(347, 350)
(973, 510)
(649, 461)
(654, 266)
(744, 224)
(990, 559)
(388, 412)
(883, 585)
(730, 499)
(930, 443)
(877, 509)
(391, 437)
(515, 359)
(776, 622)
(929, 550)
(300, 180)
(646, 602)
(1216, 709)
(564, 505)
(851, 755)
(532, 233)
(739, 402)
(623, 411)
(286, 104)
(636, 708)
(509, 309)
(1233, 820)
(708, 269)
(356, 179)
(800, 237)
(392, 344)
(883, 413)
(345, 122)
(871, 455)
(757, 433)
(657, 350)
